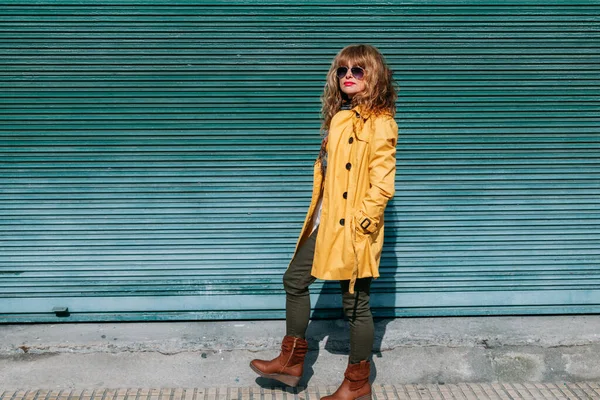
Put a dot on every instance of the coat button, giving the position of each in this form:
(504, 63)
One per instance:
(345, 195)
(342, 222)
(348, 166)
(351, 140)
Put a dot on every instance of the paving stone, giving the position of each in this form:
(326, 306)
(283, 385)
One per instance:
(462, 391)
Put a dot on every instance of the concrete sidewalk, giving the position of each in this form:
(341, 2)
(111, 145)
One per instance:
(464, 357)
(463, 391)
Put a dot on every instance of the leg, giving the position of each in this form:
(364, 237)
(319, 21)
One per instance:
(356, 384)
(289, 365)
(358, 311)
(296, 281)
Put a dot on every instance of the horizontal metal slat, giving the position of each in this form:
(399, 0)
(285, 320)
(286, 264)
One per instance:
(134, 181)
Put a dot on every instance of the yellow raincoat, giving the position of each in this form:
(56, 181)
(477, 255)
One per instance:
(358, 183)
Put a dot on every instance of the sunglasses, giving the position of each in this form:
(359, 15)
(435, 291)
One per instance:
(357, 72)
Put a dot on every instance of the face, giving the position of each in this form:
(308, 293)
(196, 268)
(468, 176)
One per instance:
(350, 84)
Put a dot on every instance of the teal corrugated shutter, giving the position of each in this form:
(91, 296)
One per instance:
(156, 157)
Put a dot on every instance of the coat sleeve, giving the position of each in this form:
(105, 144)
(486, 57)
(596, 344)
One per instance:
(382, 175)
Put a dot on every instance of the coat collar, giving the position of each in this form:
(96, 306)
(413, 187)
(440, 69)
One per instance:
(364, 113)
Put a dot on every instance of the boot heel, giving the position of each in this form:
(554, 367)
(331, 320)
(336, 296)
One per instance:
(288, 379)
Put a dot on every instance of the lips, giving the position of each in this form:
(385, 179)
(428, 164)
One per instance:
(348, 83)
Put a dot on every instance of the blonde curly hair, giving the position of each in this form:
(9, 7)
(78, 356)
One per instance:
(380, 93)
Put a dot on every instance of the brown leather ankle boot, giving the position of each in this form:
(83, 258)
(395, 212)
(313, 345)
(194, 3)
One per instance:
(356, 384)
(288, 366)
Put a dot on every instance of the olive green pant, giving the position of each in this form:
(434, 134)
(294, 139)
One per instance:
(296, 281)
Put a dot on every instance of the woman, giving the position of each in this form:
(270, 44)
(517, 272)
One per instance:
(342, 235)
